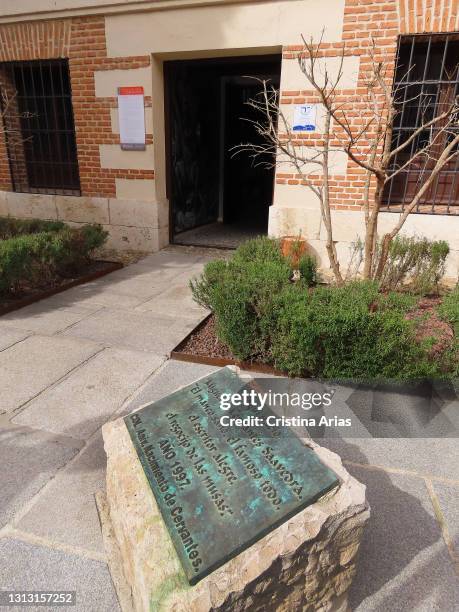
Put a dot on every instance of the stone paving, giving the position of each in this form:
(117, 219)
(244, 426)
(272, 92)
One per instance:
(71, 362)
(67, 365)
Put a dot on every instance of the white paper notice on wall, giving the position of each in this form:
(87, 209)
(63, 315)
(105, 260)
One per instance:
(131, 118)
(304, 118)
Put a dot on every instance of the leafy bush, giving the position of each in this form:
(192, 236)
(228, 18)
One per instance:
(241, 292)
(39, 257)
(417, 263)
(10, 227)
(259, 249)
(349, 332)
(449, 311)
(308, 270)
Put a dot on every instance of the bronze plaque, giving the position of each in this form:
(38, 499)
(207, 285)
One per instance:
(219, 488)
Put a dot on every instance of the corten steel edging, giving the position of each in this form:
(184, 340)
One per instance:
(253, 366)
(27, 301)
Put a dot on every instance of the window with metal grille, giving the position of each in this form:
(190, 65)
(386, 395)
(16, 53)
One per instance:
(37, 112)
(426, 83)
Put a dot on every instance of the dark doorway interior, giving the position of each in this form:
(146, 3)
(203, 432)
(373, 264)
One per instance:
(216, 198)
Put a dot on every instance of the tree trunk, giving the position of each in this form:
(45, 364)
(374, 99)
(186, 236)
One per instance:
(383, 257)
(371, 232)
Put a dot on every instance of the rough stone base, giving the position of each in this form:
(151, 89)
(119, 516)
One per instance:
(307, 563)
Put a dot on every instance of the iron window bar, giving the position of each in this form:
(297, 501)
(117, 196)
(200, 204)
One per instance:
(427, 75)
(36, 105)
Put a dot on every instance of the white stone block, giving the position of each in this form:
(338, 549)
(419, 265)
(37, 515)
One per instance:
(295, 196)
(260, 26)
(294, 221)
(434, 227)
(82, 209)
(108, 81)
(293, 79)
(31, 205)
(132, 238)
(452, 267)
(135, 213)
(135, 189)
(163, 236)
(113, 156)
(3, 204)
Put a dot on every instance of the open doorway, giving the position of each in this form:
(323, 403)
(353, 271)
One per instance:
(216, 198)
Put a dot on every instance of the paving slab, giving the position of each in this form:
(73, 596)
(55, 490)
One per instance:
(436, 457)
(8, 337)
(28, 460)
(46, 317)
(85, 400)
(404, 563)
(30, 567)
(448, 498)
(138, 330)
(140, 282)
(176, 300)
(172, 259)
(66, 512)
(97, 297)
(31, 366)
(171, 376)
(132, 286)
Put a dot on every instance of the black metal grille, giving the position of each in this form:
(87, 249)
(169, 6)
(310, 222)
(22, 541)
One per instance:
(426, 83)
(40, 132)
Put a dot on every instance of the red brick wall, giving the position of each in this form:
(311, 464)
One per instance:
(82, 41)
(364, 21)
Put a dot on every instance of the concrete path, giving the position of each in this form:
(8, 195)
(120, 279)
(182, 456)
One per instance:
(74, 361)
(67, 365)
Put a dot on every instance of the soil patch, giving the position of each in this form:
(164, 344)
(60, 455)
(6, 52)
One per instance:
(429, 325)
(203, 341)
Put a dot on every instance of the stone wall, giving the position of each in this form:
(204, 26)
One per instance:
(132, 224)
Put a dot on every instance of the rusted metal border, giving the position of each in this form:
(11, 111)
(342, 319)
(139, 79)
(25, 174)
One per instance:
(178, 354)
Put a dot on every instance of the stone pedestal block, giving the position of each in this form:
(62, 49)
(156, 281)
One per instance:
(306, 564)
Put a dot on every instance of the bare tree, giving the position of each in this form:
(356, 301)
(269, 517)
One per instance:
(9, 116)
(366, 139)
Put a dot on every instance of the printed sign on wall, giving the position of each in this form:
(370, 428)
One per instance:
(304, 118)
(131, 117)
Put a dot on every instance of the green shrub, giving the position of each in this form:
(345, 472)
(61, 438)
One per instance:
(349, 332)
(15, 262)
(308, 270)
(203, 286)
(417, 264)
(10, 227)
(240, 293)
(449, 311)
(71, 248)
(261, 249)
(38, 257)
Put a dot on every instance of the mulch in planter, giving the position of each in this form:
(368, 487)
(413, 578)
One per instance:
(27, 295)
(203, 346)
